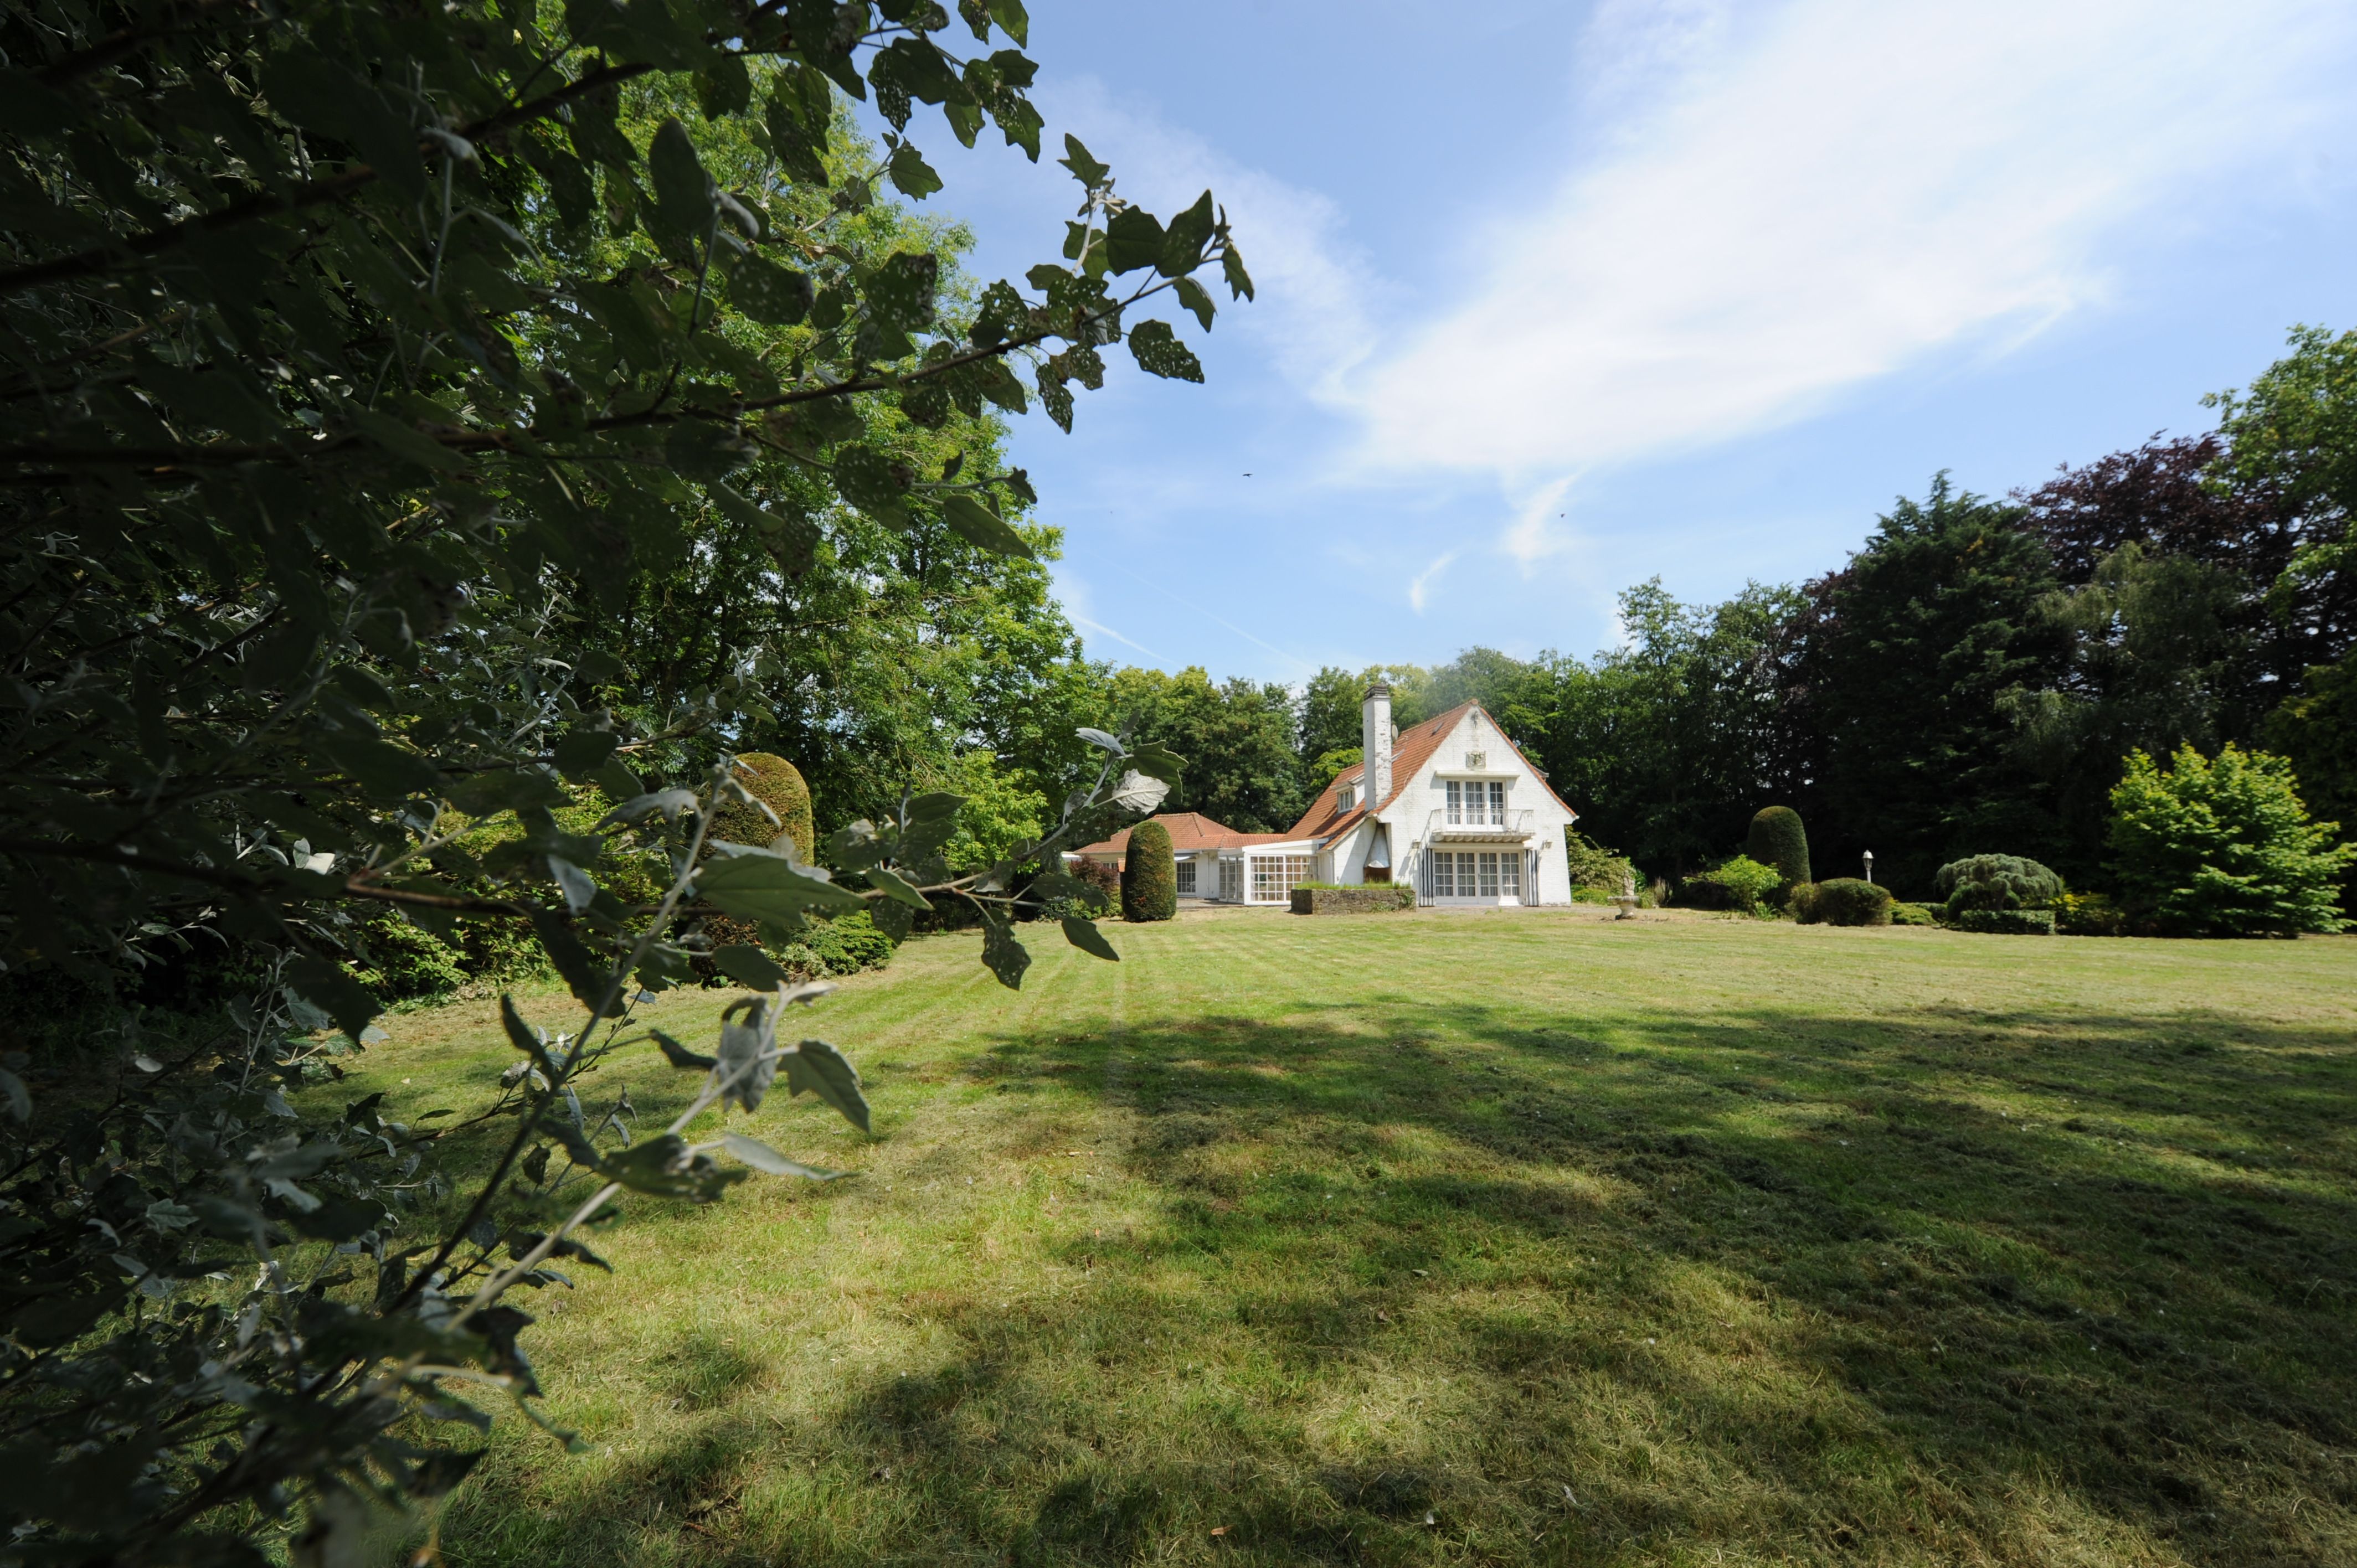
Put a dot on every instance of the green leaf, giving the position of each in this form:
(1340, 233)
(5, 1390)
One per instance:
(1160, 353)
(521, 1035)
(1197, 298)
(722, 87)
(665, 1166)
(769, 293)
(340, 1218)
(813, 1067)
(1231, 265)
(1085, 168)
(1133, 240)
(680, 1056)
(895, 920)
(801, 107)
(749, 966)
(1085, 936)
(977, 524)
(1001, 954)
(1156, 761)
(505, 790)
(897, 887)
(683, 190)
(386, 771)
(910, 171)
(759, 885)
(582, 972)
(763, 1158)
(405, 441)
(582, 752)
(872, 482)
(331, 988)
(1182, 246)
(900, 292)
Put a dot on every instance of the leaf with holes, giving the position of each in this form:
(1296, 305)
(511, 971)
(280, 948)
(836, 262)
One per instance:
(1160, 353)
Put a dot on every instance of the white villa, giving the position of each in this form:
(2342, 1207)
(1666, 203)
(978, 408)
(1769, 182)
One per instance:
(1451, 807)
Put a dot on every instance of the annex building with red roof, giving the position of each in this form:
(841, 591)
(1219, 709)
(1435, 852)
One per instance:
(1450, 806)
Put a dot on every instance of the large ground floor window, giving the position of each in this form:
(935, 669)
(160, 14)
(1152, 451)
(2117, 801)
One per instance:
(1232, 881)
(1477, 873)
(1274, 876)
(1187, 878)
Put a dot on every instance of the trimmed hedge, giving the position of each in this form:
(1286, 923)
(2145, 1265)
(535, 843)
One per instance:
(1905, 914)
(2004, 922)
(1842, 901)
(1150, 874)
(1778, 839)
(777, 784)
(1378, 899)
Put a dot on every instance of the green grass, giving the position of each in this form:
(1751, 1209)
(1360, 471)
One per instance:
(1535, 1237)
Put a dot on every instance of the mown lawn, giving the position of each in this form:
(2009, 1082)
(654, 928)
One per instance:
(1527, 1238)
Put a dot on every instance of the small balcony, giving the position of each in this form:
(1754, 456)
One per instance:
(1479, 825)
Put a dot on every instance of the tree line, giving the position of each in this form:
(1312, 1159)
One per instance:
(1973, 680)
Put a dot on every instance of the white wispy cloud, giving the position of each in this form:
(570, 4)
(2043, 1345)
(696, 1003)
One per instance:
(1769, 208)
(1073, 593)
(1419, 588)
(1316, 292)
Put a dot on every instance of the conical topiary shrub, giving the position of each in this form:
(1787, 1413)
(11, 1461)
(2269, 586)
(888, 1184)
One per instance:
(1149, 876)
(777, 784)
(1778, 839)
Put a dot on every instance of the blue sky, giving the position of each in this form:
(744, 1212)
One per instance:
(1557, 297)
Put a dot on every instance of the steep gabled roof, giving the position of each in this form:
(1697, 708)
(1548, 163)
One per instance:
(1414, 749)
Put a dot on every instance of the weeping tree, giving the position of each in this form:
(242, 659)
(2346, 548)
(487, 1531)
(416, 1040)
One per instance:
(364, 364)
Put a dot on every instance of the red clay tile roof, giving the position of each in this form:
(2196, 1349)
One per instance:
(1414, 749)
(1189, 830)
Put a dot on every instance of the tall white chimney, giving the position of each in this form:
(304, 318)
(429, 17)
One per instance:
(1375, 742)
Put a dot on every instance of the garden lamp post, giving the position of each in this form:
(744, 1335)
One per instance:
(1869, 865)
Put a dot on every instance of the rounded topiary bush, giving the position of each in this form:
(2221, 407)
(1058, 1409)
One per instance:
(1844, 901)
(1150, 874)
(1996, 882)
(1778, 839)
(777, 784)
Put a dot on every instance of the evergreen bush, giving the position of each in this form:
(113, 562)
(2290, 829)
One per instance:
(1905, 914)
(1843, 901)
(1778, 839)
(1150, 874)
(2223, 848)
(777, 784)
(1996, 882)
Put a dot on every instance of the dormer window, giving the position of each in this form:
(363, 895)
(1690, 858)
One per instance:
(1344, 797)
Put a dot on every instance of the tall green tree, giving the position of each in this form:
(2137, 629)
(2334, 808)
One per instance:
(1904, 663)
(1332, 708)
(1667, 744)
(2153, 663)
(1235, 737)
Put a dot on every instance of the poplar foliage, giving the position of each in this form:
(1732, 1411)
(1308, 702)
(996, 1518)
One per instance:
(431, 438)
